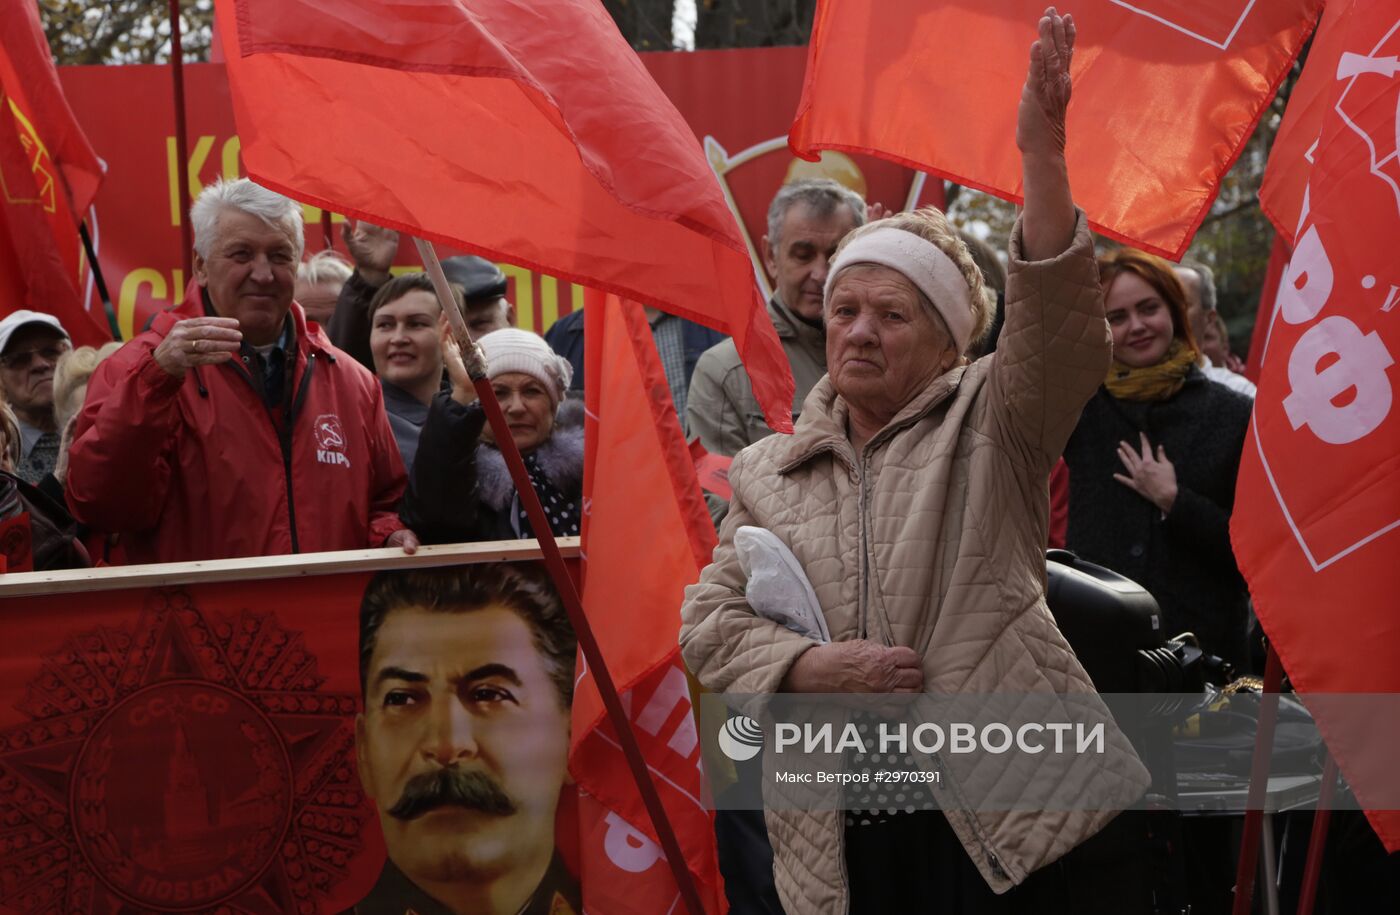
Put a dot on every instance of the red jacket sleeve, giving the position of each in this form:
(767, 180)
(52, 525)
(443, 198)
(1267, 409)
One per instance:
(387, 476)
(119, 463)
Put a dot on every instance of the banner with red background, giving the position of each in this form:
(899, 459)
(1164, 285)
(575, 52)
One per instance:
(190, 745)
(739, 103)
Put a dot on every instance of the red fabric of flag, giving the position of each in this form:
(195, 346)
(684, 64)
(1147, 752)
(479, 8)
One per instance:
(1165, 94)
(530, 133)
(1316, 525)
(646, 534)
(48, 177)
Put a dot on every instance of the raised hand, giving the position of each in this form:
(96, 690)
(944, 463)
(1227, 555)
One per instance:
(198, 341)
(463, 364)
(1048, 220)
(1040, 120)
(372, 248)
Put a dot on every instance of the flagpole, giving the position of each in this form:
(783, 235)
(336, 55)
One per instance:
(98, 281)
(182, 160)
(568, 593)
(1317, 842)
(1258, 784)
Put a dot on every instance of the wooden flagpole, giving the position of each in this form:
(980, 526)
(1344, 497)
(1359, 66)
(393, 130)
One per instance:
(588, 644)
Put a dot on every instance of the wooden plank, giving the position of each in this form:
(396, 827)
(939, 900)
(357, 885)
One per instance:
(76, 581)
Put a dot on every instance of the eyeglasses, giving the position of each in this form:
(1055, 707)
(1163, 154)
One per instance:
(25, 358)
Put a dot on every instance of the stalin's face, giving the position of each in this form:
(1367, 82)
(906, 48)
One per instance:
(463, 746)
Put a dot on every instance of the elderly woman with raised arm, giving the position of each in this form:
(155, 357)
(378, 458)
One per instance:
(913, 494)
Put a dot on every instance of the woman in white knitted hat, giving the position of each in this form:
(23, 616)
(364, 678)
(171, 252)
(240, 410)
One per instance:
(460, 489)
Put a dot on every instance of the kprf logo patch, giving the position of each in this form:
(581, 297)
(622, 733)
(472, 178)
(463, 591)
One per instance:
(330, 440)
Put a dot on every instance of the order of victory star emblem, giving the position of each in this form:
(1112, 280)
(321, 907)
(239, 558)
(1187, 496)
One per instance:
(182, 765)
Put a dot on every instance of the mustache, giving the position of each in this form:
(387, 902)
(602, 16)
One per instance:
(456, 787)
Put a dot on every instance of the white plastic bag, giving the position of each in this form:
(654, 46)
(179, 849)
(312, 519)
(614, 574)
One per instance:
(778, 588)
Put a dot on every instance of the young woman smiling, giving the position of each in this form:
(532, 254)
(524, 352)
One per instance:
(1153, 460)
(405, 328)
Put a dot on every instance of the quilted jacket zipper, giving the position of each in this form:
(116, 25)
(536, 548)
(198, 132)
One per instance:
(861, 466)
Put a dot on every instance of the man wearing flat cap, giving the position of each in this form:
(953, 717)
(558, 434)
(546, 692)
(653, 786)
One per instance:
(373, 249)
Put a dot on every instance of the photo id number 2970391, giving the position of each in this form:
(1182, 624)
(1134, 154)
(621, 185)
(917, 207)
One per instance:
(907, 776)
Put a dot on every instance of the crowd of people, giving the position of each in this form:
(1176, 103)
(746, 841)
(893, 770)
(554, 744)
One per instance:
(241, 425)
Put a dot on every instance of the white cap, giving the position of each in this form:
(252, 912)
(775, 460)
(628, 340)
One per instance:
(14, 321)
(513, 350)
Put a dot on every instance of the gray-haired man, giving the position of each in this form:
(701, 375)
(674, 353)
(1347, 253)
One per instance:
(806, 220)
(241, 432)
(1199, 282)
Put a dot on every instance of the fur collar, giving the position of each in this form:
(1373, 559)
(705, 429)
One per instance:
(561, 459)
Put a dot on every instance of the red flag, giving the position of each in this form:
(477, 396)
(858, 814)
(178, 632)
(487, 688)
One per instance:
(1273, 274)
(646, 534)
(531, 138)
(1317, 521)
(48, 177)
(1165, 94)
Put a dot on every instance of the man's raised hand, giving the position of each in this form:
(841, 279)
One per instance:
(372, 248)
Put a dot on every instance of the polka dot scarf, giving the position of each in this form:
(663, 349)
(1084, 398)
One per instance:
(563, 513)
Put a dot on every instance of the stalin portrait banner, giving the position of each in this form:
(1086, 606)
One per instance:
(359, 739)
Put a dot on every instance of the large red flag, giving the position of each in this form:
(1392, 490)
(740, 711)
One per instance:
(48, 177)
(1317, 509)
(646, 534)
(531, 134)
(1165, 94)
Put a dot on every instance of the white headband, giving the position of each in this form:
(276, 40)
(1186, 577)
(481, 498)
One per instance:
(924, 265)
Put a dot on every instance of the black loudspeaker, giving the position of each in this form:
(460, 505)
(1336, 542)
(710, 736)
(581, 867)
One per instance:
(1134, 866)
(1106, 618)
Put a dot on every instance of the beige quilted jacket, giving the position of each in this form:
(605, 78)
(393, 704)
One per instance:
(934, 539)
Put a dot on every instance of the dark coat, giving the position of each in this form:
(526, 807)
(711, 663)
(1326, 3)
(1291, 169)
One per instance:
(1185, 559)
(406, 417)
(349, 325)
(565, 337)
(460, 490)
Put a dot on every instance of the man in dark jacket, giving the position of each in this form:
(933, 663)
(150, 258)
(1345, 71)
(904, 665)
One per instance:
(679, 343)
(242, 432)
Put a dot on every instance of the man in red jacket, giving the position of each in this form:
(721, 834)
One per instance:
(242, 432)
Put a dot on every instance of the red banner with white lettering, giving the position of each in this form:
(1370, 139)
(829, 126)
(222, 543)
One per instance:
(1317, 521)
(641, 499)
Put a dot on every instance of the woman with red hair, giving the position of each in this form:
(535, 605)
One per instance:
(1154, 458)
